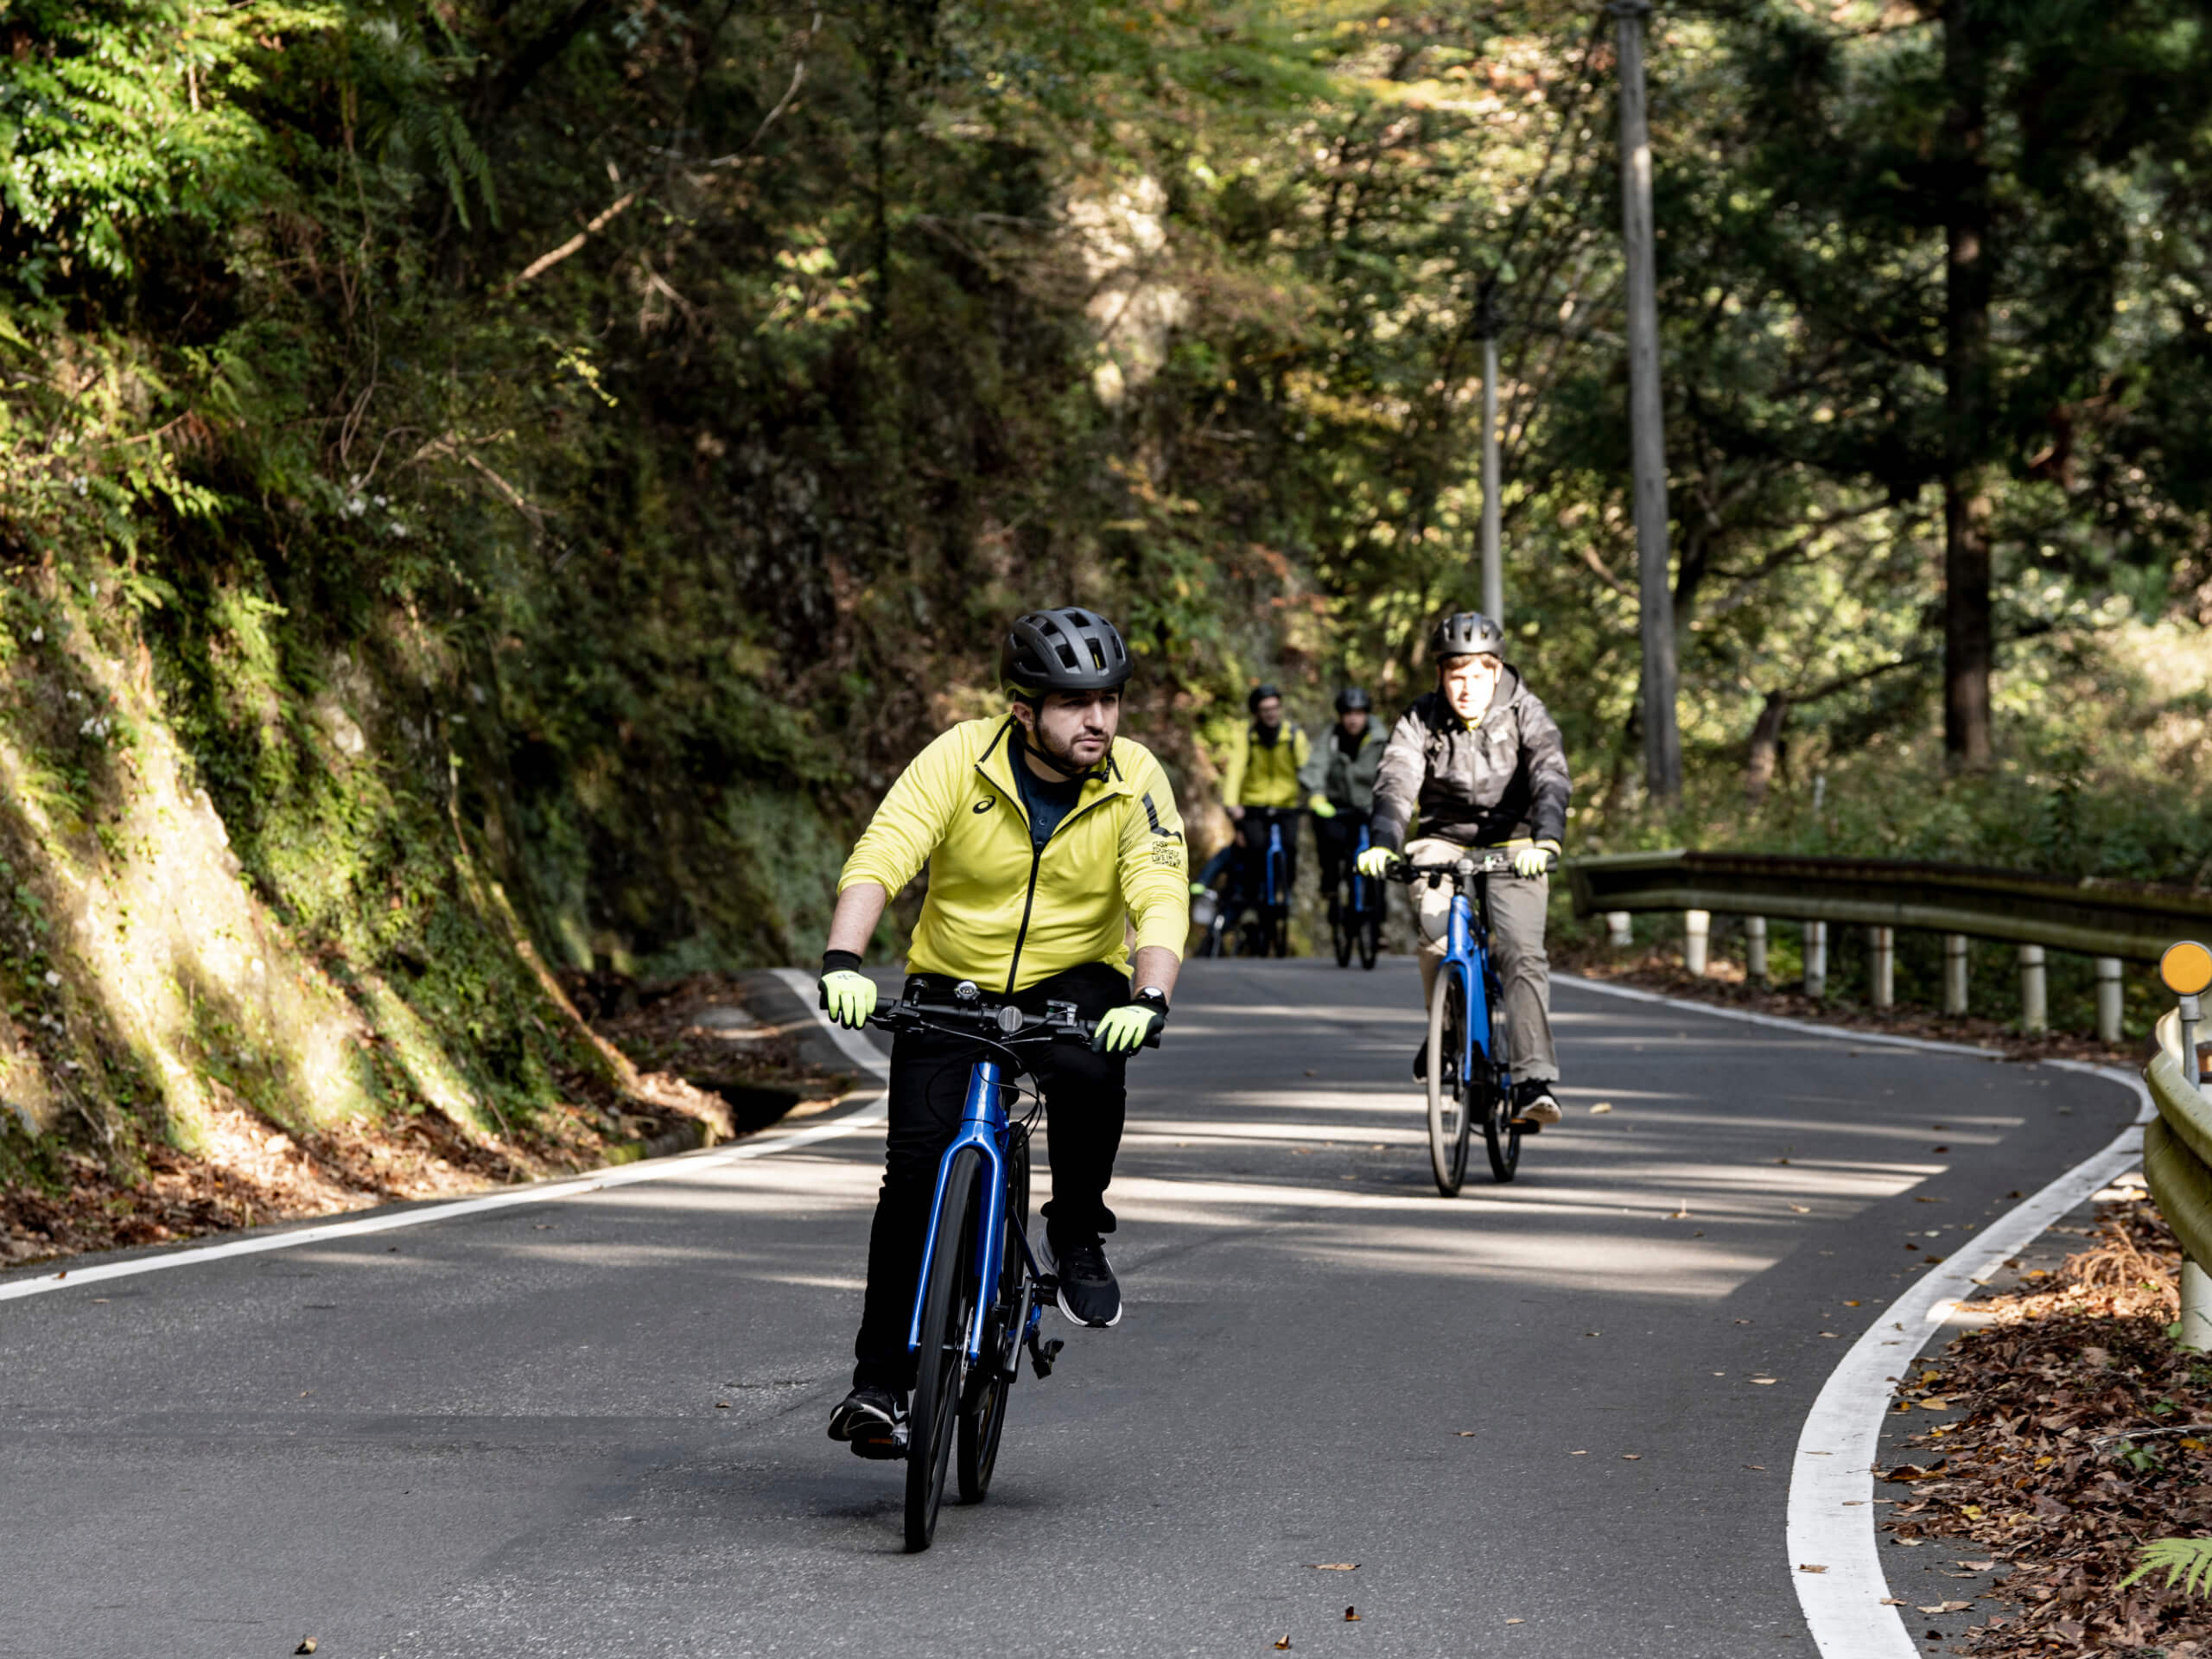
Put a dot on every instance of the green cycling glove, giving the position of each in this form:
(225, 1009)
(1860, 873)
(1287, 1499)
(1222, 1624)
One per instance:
(1536, 858)
(848, 997)
(1320, 806)
(1376, 862)
(1125, 1030)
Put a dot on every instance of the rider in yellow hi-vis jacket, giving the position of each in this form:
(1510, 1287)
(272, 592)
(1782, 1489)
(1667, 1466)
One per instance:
(1259, 786)
(1048, 840)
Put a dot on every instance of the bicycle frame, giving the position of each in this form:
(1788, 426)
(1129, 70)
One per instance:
(1363, 889)
(1466, 953)
(984, 1125)
(1274, 861)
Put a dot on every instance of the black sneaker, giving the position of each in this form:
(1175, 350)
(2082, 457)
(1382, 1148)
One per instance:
(1533, 1105)
(1089, 1294)
(872, 1420)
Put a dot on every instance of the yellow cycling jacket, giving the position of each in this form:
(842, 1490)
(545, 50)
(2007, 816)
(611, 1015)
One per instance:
(1262, 774)
(1006, 914)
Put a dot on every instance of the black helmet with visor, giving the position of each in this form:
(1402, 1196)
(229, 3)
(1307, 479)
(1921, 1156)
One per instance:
(1465, 634)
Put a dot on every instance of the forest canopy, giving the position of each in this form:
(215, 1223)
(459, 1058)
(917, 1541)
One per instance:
(542, 465)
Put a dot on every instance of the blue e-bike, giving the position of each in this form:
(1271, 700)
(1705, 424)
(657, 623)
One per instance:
(1467, 1066)
(1356, 908)
(981, 1295)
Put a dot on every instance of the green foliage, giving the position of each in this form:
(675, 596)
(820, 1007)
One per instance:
(2185, 1561)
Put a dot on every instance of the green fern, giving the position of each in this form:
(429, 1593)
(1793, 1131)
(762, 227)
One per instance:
(2187, 1561)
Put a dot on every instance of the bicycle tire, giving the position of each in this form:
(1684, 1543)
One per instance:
(1279, 934)
(946, 1307)
(1343, 933)
(1450, 1133)
(1370, 929)
(982, 1413)
(1501, 1135)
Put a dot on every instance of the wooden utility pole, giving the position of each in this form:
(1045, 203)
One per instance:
(1663, 741)
(1968, 635)
(1493, 555)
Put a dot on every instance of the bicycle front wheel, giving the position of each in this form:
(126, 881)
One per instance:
(1343, 930)
(1450, 1133)
(982, 1414)
(1371, 939)
(942, 1365)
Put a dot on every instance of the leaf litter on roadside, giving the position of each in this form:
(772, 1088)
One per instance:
(2051, 1469)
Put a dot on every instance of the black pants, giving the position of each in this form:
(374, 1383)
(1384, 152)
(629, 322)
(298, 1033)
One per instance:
(1086, 1100)
(1252, 833)
(1334, 840)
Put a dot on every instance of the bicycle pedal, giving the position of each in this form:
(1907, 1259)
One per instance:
(1528, 1126)
(891, 1448)
(1042, 1355)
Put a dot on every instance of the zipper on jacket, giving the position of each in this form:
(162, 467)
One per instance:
(1029, 899)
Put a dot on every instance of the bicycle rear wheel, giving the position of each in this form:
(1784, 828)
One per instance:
(1501, 1135)
(1450, 1133)
(982, 1414)
(942, 1363)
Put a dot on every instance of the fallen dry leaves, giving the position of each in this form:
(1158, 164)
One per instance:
(250, 1172)
(2057, 1465)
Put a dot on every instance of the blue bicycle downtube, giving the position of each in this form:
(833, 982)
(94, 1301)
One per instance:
(983, 1085)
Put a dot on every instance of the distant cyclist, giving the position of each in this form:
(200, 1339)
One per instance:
(1480, 761)
(1339, 784)
(1259, 786)
(1047, 838)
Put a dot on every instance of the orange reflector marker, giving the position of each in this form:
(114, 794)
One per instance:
(2186, 968)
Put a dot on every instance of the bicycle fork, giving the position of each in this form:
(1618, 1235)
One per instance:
(982, 1125)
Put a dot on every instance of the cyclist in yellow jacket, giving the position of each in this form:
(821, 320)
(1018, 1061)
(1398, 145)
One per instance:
(1047, 837)
(1260, 788)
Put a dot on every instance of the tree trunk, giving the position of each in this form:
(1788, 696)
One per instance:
(1766, 747)
(1967, 632)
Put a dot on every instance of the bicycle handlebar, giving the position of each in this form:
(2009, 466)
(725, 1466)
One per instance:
(1489, 861)
(997, 1022)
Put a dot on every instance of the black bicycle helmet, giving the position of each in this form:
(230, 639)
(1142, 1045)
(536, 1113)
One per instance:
(1066, 649)
(1352, 697)
(1260, 694)
(1466, 633)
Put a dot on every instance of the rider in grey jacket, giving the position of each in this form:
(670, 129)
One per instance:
(1492, 776)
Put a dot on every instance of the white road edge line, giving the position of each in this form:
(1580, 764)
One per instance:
(1832, 1520)
(855, 1048)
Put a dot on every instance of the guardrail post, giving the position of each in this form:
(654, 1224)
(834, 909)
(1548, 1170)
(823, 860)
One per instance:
(2196, 1307)
(1755, 949)
(1884, 965)
(1619, 933)
(1816, 959)
(2035, 1000)
(2191, 1013)
(1697, 937)
(2108, 999)
(1955, 973)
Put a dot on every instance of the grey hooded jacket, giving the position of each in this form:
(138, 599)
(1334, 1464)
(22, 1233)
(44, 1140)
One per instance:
(1504, 779)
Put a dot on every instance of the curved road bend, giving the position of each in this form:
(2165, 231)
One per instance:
(593, 1427)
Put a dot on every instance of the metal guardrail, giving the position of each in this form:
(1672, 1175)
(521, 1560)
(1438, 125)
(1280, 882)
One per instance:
(2177, 1165)
(2112, 921)
(2134, 922)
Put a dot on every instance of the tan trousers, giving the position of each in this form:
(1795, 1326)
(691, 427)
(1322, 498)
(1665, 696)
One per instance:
(1517, 908)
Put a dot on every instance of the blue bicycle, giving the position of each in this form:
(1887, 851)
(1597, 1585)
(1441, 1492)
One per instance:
(1268, 932)
(1467, 1070)
(982, 1292)
(1356, 907)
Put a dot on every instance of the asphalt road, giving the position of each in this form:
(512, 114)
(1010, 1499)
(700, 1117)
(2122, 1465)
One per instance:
(1531, 1415)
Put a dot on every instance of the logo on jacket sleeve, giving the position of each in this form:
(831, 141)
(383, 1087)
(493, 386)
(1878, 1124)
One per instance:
(984, 805)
